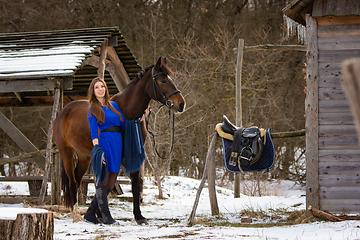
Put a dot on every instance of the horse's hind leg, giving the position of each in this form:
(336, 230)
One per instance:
(69, 183)
(135, 185)
(80, 170)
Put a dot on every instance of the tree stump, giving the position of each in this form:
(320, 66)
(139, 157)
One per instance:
(36, 225)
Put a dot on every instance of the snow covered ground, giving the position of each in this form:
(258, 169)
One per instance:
(168, 218)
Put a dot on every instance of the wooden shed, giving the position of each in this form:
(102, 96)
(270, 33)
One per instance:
(332, 152)
(35, 66)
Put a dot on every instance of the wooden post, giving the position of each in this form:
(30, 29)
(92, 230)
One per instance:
(210, 154)
(103, 51)
(311, 116)
(351, 85)
(212, 176)
(56, 163)
(238, 106)
(56, 180)
(48, 161)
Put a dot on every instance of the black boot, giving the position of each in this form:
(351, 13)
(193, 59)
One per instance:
(98, 213)
(90, 213)
(102, 201)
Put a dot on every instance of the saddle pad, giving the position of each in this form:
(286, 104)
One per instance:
(265, 162)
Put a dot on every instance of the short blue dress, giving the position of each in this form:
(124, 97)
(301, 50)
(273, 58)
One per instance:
(110, 142)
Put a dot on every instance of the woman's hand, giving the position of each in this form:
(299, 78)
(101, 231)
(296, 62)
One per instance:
(146, 113)
(95, 141)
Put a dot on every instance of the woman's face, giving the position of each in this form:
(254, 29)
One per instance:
(99, 90)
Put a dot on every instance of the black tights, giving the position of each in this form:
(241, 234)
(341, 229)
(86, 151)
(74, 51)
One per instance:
(110, 180)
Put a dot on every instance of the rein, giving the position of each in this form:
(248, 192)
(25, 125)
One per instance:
(155, 135)
(168, 103)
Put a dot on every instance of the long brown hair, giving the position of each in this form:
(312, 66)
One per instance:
(95, 105)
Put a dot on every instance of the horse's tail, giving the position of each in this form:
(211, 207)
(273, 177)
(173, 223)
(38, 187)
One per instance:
(65, 186)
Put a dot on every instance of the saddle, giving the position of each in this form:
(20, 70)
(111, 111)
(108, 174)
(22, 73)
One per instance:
(244, 147)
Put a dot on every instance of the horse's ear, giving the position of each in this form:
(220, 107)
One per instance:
(165, 62)
(158, 64)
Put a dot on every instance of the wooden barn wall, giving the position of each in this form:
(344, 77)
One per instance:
(339, 154)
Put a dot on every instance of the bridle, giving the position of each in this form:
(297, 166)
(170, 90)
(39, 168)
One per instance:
(165, 102)
(165, 99)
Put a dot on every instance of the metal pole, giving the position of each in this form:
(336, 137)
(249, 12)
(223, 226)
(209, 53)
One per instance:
(238, 105)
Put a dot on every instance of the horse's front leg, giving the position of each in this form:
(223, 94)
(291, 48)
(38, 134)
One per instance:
(135, 185)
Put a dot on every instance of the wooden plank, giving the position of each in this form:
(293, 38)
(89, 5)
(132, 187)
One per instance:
(335, 21)
(27, 102)
(330, 81)
(330, 56)
(332, 93)
(19, 138)
(337, 130)
(273, 47)
(339, 142)
(86, 179)
(20, 199)
(337, 155)
(339, 181)
(311, 115)
(339, 43)
(339, 168)
(333, 68)
(24, 156)
(341, 205)
(27, 85)
(336, 106)
(338, 31)
(343, 192)
(333, 118)
(20, 178)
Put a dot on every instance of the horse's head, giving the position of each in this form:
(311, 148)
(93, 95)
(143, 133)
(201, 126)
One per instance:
(164, 89)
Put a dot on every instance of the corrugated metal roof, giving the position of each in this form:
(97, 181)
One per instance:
(40, 55)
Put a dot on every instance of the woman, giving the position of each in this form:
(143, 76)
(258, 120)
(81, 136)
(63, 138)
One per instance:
(105, 116)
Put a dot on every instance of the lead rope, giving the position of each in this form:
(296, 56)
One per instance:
(155, 135)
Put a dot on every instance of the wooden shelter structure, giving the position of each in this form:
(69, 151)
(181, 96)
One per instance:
(52, 68)
(332, 152)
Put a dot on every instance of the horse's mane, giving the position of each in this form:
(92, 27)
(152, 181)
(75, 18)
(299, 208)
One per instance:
(164, 68)
(142, 73)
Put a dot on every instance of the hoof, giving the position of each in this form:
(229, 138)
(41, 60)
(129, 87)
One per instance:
(77, 220)
(142, 222)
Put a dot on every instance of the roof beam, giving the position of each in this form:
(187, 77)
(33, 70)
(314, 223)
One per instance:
(119, 67)
(27, 85)
(32, 85)
(110, 67)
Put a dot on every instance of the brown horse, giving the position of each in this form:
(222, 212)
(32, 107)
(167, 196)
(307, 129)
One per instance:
(72, 131)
